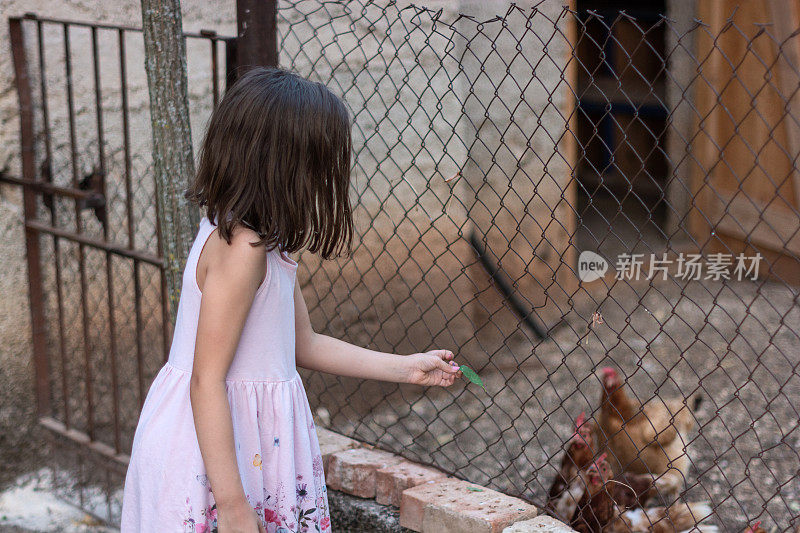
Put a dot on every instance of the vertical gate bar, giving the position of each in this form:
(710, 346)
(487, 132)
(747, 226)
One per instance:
(79, 229)
(166, 328)
(32, 245)
(137, 287)
(112, 330)
(126, 142)
(167, 331)
(126, 148)
(71, 117)
(211, 35)
(54, 222)
(43, 92)
(215, 71)
(165, 320)
(98, 102)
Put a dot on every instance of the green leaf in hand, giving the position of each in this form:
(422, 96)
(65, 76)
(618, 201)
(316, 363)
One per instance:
(471, 375)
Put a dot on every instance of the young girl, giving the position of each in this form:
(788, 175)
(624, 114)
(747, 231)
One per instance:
(225, 441)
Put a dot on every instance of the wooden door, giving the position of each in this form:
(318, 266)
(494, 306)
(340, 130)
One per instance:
(747, 142)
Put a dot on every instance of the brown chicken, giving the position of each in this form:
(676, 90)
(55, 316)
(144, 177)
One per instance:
(755, 528)
(596, 508)
(645, 439)
(599, 509)
(629, 490)
(568, 484)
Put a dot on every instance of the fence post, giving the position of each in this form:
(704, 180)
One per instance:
(257, 35)
(230, 62)
(33, 253)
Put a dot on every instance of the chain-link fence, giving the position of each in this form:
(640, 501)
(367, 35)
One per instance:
(495, 153)
(572, 200)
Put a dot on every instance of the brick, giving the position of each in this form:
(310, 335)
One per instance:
(455, 505)
(390, 482)
(331, 442)
(353, 471)
(540, 524)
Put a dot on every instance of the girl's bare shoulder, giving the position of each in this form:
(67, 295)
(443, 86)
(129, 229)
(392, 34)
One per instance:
(239, 259)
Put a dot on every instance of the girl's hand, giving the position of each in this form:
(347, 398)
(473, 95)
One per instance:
(239, 518)
(431, 368)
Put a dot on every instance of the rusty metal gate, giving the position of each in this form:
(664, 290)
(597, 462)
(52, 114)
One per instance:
(97, 293)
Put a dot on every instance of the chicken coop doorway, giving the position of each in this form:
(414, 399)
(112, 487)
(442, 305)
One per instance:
(622, 123)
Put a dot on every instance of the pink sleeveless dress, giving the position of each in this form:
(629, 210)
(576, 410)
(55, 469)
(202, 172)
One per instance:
(278, 455)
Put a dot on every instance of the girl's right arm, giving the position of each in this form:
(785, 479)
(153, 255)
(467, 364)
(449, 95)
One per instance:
(230, 278)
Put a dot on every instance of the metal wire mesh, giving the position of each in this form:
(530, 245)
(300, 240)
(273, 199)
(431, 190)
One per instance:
(512, 144)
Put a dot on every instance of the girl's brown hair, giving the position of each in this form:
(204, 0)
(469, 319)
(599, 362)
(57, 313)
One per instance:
(276, 158)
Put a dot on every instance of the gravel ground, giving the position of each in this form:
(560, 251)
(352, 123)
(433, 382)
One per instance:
(737, 344)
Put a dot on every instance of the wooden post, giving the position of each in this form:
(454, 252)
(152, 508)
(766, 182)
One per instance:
(173, 158)
(257, 35)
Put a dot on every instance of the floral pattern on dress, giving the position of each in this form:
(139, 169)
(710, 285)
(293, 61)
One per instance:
(290, 511)
(207, 523)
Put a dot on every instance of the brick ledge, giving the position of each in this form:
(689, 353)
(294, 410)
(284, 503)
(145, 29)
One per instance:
(373, 483)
